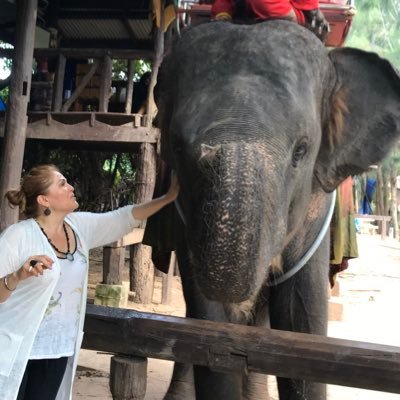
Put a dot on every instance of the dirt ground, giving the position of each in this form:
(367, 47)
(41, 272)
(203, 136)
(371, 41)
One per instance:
(364, 310)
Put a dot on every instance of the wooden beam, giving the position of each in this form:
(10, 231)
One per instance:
(129, 87)
(85, 53)
(59, 83)
(105, 84)
(229, 347)
(16, 119)
(96, 132)
(140, 44)
(81, 86)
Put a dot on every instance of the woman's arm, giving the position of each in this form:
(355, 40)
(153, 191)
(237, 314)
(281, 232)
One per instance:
(147, 209)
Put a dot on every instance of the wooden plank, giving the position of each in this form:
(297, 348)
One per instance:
(373, 217)
(240, 348)
(83, 131)
(16, 121)
(136, 236)
(383, 218)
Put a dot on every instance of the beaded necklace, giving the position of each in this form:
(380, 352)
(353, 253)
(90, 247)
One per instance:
(67, 255)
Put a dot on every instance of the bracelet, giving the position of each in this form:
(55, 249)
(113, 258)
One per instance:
(6, 284)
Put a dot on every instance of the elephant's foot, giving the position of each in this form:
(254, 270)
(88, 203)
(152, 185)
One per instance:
(255, 387)
(182, 383)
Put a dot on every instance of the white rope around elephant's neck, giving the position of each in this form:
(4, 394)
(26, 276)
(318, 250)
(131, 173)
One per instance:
(310, 252)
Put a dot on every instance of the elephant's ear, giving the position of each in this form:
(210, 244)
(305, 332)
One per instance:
(363, 117)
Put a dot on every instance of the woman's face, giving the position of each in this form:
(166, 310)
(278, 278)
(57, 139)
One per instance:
(60, 195)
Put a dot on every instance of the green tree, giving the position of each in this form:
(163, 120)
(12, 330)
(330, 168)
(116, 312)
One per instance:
(6, 66)
(376, 27)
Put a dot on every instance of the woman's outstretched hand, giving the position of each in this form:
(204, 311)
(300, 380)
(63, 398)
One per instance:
(147, 209)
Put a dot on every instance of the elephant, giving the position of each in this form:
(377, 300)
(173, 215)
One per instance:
(261, 123)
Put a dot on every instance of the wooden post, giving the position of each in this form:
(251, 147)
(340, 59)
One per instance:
(167, 281)
(113, 264)
(59, 83)
(141, 268)
(129, 87)
(128, 377)
(158, 56)
(105, 84)
(16, 119)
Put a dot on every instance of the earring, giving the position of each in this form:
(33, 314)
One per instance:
(47, 211)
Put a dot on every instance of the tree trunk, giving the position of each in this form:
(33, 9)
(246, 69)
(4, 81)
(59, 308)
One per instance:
(141, 268)
(380, 195)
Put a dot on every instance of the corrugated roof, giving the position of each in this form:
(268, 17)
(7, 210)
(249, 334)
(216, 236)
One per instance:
(93, 29)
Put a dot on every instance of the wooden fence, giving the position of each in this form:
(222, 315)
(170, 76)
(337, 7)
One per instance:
(228, 347)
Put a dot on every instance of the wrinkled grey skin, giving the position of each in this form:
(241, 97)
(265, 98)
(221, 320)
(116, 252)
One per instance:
(245, 114)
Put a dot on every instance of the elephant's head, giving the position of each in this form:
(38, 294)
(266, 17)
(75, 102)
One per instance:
(257, 120)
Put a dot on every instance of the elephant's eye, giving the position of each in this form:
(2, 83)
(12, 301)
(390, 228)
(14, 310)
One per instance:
(299, 153)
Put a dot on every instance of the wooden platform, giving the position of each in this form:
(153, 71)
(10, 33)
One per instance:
(88, 127)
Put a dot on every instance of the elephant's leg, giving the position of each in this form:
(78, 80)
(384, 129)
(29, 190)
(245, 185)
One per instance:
(300, 305)
(255, 385)
(182, 383)
(208, 384)
(212, 385)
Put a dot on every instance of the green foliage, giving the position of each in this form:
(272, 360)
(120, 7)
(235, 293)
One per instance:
(376, 27)
(6, 64)
(103, 181)
(120, 69)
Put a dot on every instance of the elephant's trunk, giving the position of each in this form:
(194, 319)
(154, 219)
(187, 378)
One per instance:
(230, 222)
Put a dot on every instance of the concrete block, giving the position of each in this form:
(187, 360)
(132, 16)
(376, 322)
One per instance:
(112, 295)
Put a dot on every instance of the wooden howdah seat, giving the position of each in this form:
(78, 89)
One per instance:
(339, 14)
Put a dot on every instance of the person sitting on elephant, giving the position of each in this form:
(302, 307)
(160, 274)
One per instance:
(303, 12)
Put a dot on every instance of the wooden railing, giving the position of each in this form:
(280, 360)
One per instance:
(227, 347)
(384, 218)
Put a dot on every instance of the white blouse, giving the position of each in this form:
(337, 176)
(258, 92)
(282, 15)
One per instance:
(58, 330)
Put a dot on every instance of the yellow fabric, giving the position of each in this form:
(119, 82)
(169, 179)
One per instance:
(343, 233)
(169, 14)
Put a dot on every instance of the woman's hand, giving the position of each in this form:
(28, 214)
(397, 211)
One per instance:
(147, 209)
(34, 266)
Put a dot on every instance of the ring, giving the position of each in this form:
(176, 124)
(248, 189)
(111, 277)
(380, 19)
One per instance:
(32, 263)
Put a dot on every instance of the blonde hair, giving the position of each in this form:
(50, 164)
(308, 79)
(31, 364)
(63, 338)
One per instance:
(35, 183)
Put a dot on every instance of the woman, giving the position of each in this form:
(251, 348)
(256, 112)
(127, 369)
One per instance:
(43, 270)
